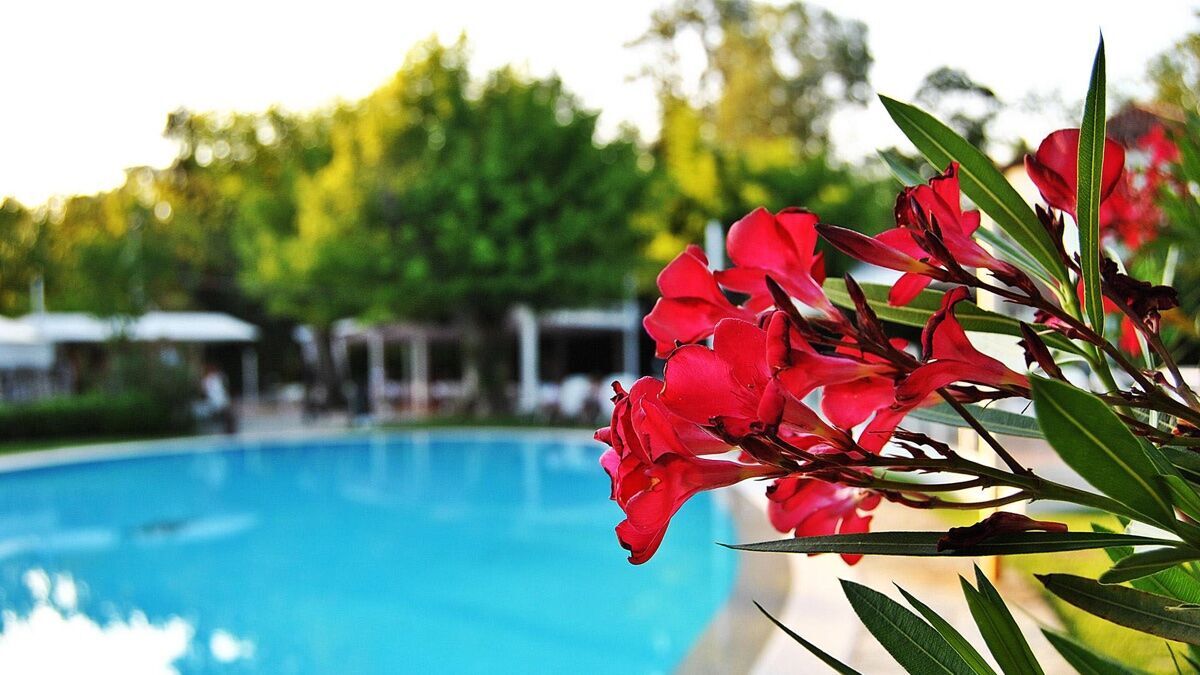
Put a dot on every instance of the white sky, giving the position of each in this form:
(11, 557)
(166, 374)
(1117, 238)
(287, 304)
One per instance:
(88, 84)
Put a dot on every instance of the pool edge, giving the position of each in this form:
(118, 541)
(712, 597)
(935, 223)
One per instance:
(738, 635)
(203, 443)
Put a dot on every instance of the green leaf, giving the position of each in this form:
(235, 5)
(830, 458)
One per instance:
(1093, 441)
(907, 176)
(996, 421)
(1011, 252)
(834, 664)
(1183, 495)
(953, 637)
(1173, 582)
(1146, 612)
(1082, 659)
(913, 643)
(980, 180)
(1187, 461)
(917, 312)
(1145, 563)
(998, 627)
(1091, 164)
(924, 544)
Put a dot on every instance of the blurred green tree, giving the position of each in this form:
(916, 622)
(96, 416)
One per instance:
(1176, 73)
(20, 255)
(449, 199)
(754, 130)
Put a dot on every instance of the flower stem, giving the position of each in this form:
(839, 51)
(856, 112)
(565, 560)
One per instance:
(986, 435)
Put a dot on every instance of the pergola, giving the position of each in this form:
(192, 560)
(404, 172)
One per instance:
(376, 338)
(527, 325)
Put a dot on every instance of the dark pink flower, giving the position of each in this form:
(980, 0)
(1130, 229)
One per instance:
(883, 252)
(856, 385)
(723, 386)
(730, 388)
(950, 357)
(780, 246)
(810, 507)
(650, 493)
(691, 304)
(1054, 169)
(924, 212)
(642, 426)
(1131, 212)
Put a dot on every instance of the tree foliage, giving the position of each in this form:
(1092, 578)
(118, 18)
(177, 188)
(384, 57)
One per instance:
(1175, 73)
(754, 130)
(467, 201)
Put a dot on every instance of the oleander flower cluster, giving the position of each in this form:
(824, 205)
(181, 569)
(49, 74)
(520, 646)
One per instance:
(768, 379)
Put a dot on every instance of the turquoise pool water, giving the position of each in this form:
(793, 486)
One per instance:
(424, 552)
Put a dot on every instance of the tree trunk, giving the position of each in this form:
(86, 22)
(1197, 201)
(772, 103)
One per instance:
(486, 364)
(327, 371)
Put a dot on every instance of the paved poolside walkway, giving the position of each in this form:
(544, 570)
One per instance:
(817, 609)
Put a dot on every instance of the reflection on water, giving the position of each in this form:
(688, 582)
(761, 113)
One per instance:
(54, 636)
(370, 554)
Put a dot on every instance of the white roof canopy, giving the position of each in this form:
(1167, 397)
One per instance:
(197, 327)
(17, 333)
(21, 348)
(192, 327)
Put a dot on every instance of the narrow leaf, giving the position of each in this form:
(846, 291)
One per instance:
(1173, 582)
(834, 664)
(1091, 163)
(1145, 563)
(953, 637)
(980, 181)
(903, 173)
(998, 627)
(924, 544)
(1093, 441)
(996, 421)
(913, 643)
(1183, 496)
(1187, 461)
(917, 312)
(1015, 254)
(1146, 612)
(1082, 659)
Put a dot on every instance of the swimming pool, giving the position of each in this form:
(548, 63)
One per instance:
(418, 552)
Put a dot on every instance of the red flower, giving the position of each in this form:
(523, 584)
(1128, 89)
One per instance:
(723, 386)
(651, 493)
(691, 303)
(856, 385)
(950, 357)
(1159, 148)
(642, 426)
(910, 284)
(935, 211)
(812, 507)
(884, 252)
(730, 389)
(781, 246)
(1131, 212)
(1055, 169)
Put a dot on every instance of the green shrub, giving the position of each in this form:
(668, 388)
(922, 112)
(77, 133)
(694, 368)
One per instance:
(94, 414)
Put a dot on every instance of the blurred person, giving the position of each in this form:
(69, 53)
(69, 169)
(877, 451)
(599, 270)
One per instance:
(216, 395)
(576, 395)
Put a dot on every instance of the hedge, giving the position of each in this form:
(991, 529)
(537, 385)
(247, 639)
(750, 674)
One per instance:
(94, 414)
